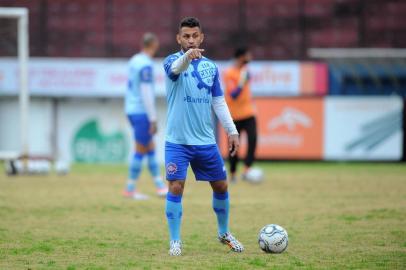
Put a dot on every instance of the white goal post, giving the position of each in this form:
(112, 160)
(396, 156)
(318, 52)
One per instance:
(21, 15)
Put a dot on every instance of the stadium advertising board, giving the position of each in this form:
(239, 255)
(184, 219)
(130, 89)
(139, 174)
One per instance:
(93, 131)
(287, 129)
(108, 78)
(363, 128)
(331, 128)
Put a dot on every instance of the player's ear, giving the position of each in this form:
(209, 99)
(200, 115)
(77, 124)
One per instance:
(178, 39)
(202, 36)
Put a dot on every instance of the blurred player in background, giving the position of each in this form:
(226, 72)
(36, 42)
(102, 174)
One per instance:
(193, 90)
(239, 100)
(141, 113)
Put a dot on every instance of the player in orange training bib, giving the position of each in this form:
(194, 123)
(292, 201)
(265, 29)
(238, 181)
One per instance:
(239, 101)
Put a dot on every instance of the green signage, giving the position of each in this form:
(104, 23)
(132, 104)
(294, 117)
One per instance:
(91, 146)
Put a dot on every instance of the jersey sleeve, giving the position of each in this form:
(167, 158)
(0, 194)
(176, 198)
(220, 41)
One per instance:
(167, 67)
(146, 75)
(216, 90)
(231, 85)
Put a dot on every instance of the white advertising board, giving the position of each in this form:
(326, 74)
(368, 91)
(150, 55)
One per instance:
(363, 128)
(108, 77)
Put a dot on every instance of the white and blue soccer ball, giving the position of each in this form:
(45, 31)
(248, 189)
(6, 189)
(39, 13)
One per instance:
(273, 238)
(254, 175)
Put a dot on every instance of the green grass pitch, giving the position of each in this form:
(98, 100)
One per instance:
(338, 216)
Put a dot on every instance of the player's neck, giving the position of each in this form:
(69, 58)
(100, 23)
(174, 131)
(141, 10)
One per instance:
(239, 65)
(148, 52)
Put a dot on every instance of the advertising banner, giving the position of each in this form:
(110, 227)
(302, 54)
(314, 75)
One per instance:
(108, 77)
(363, 128)
(287, 129)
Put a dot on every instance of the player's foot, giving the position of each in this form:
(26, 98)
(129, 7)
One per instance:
(161, 192)
(128, 194)
(233, 179)
(140, 196)
(175, 248)
(229, 240)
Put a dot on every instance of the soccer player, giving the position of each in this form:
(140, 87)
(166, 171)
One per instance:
(238, 98)
(193, 91)
(141, 113)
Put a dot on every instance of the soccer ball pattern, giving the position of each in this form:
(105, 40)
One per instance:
(273, 239)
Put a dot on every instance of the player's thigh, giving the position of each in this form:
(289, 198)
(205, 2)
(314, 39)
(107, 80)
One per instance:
(238, 125)
(251, 128)
(177, 158)
(140, 148)
(208, 165)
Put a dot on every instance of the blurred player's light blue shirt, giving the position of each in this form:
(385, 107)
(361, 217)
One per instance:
(189, 98)
(139, 71)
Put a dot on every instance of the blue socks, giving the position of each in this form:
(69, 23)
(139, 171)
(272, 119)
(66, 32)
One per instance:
(152, 164)
(221, 206)
(174, 215)
(134, 171)
(154, 170)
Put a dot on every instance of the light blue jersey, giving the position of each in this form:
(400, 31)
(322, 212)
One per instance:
(139, 71)
(189, 98)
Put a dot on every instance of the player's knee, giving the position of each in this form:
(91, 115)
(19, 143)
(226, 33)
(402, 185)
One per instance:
(141, 148)
(220, 186)
(175, 187)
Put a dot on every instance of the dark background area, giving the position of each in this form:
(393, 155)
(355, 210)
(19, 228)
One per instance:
(274, 29)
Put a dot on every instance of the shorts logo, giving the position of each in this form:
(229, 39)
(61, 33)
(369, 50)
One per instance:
(171, 168)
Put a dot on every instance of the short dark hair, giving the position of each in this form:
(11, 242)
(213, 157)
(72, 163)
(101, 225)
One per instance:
(190, 22)
(240, 51)
(148, 39)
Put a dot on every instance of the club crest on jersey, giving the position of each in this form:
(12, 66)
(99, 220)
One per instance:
(171, 168)
(204, 71)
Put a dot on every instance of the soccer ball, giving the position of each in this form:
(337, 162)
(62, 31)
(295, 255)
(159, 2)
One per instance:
(254, 175)
(273, 239)
(61, 167)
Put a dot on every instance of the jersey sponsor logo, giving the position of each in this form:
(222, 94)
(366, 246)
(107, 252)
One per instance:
(171, 168)
(190, 99)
